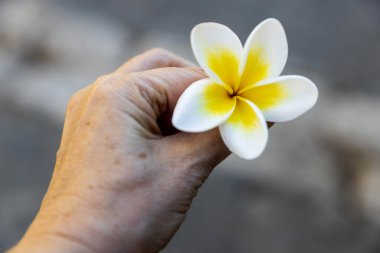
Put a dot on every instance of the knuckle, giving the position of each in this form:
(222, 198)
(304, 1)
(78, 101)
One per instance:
(58, 154)
(163, 55)
(75, 99)
(105, 80)
(158, 51)
(112, 79)
(104, 84)
(105, 87)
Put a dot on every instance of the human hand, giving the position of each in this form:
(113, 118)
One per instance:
(124, 177)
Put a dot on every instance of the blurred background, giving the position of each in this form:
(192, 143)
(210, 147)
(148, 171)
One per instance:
(316, 188)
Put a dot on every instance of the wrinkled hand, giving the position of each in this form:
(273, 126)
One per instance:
(124, 178)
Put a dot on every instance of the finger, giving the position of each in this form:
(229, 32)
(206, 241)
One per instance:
(166, 84)
(154, 58)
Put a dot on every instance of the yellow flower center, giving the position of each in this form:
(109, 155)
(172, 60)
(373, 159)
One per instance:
(225, 64)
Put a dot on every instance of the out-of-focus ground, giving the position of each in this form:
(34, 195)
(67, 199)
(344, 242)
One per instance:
(315, 189)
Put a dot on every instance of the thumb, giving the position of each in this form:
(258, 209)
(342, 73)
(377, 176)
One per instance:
(206, 149)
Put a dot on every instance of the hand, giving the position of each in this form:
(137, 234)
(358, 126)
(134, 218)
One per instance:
(123, 182)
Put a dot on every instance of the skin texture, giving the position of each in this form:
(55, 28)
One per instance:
(124, 177)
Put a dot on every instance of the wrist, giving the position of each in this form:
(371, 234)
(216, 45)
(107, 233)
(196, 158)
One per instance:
(49, 243)
(65, 230)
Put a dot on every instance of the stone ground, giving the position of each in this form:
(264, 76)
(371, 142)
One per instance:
(316, 187)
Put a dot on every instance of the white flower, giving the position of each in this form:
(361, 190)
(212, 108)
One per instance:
(244, 89)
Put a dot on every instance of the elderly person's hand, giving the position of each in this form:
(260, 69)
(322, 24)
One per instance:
(124, 177)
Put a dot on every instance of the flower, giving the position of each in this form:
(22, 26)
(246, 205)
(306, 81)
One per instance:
(244, 89)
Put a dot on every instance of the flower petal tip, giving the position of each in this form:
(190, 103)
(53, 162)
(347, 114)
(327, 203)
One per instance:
(245, 133)
(271, 20)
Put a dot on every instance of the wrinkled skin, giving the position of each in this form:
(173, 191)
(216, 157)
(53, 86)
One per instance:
(123, 182)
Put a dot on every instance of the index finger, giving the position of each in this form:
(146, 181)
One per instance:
(152, 59)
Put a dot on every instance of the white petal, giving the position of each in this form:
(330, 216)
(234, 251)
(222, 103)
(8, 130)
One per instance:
(218, 51)
(265, 53)
(283, 98)
(202, 106)
(245, 133)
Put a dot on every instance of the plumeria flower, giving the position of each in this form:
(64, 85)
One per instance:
(244, 89)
